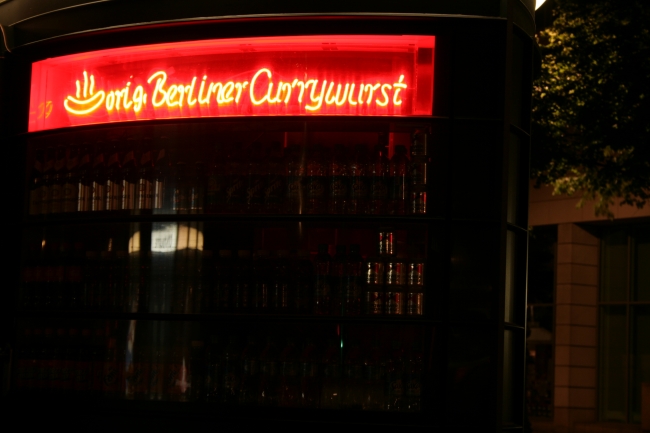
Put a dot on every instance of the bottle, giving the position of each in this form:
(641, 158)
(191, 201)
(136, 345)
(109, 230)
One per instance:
(181, 197)
(374, 379)
(213, 372)
(331, 384)
(322, 282)
(261, 283)
(48, 180)
(250, 378)
(56, 186)
(316, 181)
(130, 178)
(84, 367)
(352, 392)
(373, 298)
(378, 181)
(71, 182)
(90, 270)
(74, 277)
(222, 300)
(145, 178)
(231, 371)
(274, 183)
(339, 174)
(395, 298)
(254, 186)
(51, 282)
(99, 182)
(395, 378)
(302, 281)
(295, 169)
(98, 355)
(309, 375)
(36, 183)
(359, 182)
(85, 180)
(352, 284)
(280, 296)
(69, 365)
(161, 199)
(338, 272)
(45, 359)
(413, 378)
(113, 179)
(242, 282)
(269, 391)
(216, 182)
(399, 182)
(63, 288)
(289, 376)
(419, 173)
(111, 377)
(196, 189)
(57, 363)
(236, 181)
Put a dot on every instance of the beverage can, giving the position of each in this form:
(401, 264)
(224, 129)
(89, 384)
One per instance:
(415, 273)
(395, 273)
(374, 301)
(418, 202)
(394, 301)
(386, 243)
(414, 301)
(374, 272)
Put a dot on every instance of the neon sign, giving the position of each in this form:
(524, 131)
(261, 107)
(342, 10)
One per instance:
(294, 76)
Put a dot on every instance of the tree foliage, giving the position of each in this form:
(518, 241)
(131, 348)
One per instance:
(591, 104)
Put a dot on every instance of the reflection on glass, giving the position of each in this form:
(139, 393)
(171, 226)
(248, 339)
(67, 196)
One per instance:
(614, 266)
(613, 363)
(639, 357)
(373, 368)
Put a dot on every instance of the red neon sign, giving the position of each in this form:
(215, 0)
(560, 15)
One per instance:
(271, 76)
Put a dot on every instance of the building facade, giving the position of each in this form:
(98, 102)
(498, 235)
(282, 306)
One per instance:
(588, 316)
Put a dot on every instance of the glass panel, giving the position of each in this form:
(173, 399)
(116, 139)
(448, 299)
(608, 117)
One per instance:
(541, 265)
(514, 181)
(474, 273)
(614, 266)
(510, 371)
(471, 373)
(511, 274)
(639, 357)
(613, 363)
(233, 168)
(540, 362)
(207, 267)
(641, 259)
(326, 366)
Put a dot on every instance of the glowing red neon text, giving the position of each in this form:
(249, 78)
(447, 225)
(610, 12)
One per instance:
(310, 94)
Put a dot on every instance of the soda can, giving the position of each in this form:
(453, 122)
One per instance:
(414, 301)
(394, 301)
(420, 144)
(395, 275)
(415, 273)
(374, 272)
(374, 301)
(418, 202)
(386, 243)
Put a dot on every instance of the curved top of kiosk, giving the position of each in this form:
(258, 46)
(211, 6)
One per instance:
(29, 21)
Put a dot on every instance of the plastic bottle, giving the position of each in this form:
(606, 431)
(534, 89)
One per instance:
(399, 182)
(269, 391)
(331, 374)
(322, 284)
(359, 182)
(289, 376)
(352, 284)
(316, 181)
(338, 272)
(378, 181)
(339, 176)
(250, 378)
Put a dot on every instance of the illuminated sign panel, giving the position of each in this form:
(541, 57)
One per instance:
(270, 76)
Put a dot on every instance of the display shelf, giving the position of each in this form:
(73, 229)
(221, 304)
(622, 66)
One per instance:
(223, 317)
(90, 218)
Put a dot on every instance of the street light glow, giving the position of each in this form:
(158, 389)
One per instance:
(539, 3)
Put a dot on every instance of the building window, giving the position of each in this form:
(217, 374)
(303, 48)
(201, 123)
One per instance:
(624, 322)
(541, 317)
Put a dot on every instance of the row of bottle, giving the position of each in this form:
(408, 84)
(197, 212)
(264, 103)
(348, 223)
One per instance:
(276, 371)
(264, 178)
(193, 281)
